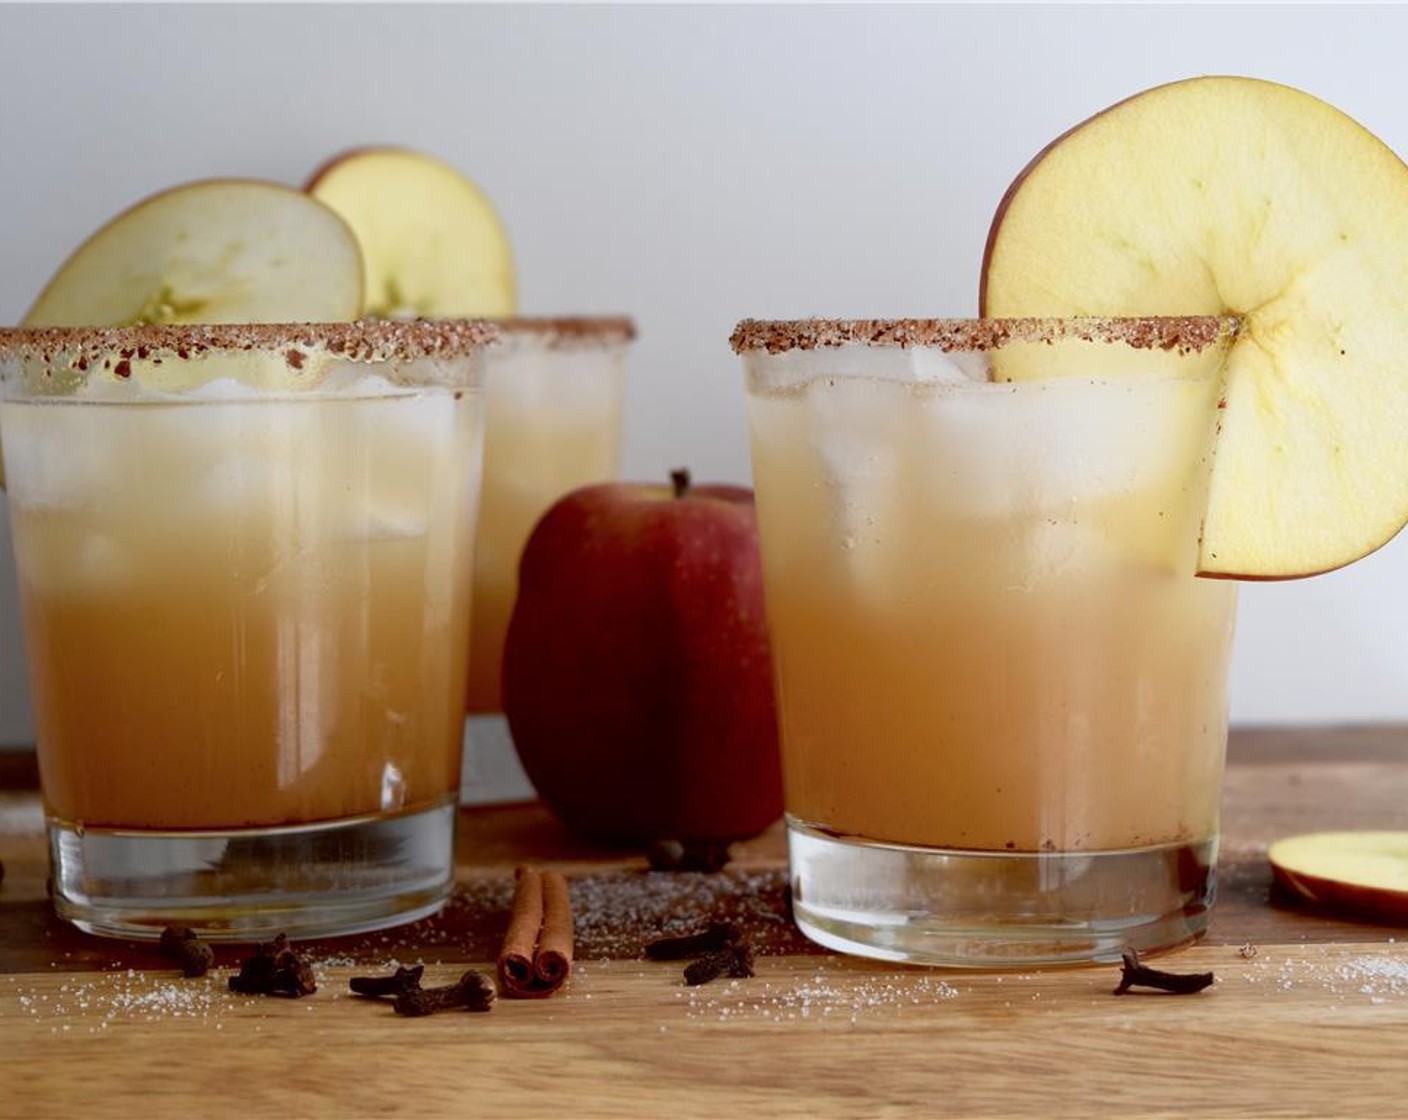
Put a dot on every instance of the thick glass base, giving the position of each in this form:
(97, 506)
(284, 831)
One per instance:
(997, 909)
(317, 880)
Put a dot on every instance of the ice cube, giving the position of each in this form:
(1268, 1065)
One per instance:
(857, 427)
(1019, 449)
(1051, 547)
(349, 380)
(1099, 440)
(62, 456)
(52, 560)
(929, 366)
(382, 523)
(403, 425)
(103, 389)
(241, 483)
(104, 561)
(222, 389)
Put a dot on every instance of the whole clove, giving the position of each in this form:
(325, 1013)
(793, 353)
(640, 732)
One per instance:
(275, 969)
(1136, 975)
(688, 855)
(473, 992)
(181, 944)
(400, 982)
(715, 936)
(734, 961)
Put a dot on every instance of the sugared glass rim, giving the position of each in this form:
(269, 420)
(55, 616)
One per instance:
(365, 340)
(1185, 334)
(570, 330)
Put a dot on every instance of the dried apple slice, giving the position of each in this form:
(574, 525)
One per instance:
(1233, 196)
(217, 251)
(1360, 873)
(432, 244)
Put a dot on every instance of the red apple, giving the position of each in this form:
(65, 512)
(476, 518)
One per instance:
(637, 679)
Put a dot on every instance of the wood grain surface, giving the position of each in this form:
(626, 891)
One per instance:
(1309, 1016)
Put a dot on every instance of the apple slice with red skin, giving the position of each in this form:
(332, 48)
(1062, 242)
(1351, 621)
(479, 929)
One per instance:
(211, 251)
(1235, 196)
(637, 679)
(1364, 874)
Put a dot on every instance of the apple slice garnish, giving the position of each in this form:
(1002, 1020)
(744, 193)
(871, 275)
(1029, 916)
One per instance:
(1360, 873)
(432, 245)
(217, 251)
(1233, 196)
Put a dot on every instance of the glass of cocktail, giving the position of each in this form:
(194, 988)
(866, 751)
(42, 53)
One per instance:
(1001, 687)
(244, 558)
(553, 389)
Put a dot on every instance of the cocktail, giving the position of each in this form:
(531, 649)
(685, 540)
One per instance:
(998, 552)
(553, 393)
(432, 245)
(1002, 692)
(244, 561)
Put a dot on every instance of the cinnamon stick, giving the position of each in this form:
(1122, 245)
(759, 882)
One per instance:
(553, 960)
(524, 923)
(536, 957)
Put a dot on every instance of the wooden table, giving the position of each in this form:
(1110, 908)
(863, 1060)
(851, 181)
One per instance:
(1309, 1016)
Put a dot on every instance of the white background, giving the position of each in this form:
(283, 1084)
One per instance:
(690, 166)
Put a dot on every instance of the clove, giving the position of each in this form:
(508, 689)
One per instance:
(688, 855)
(400, 982)
(275, 969)
(715, 936)
(473, 992)
(181, 944)
(735, 961)
(1136, 975)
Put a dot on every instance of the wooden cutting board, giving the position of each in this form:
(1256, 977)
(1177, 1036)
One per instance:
(1309, 1016)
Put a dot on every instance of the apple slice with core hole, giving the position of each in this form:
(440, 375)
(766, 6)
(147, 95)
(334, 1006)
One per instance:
(1361, 873)
(432, 244)
(217, 251)
(1234, 196)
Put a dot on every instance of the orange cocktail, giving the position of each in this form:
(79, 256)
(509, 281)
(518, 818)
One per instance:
(554, 390)
(244, 567)
(1002, 691)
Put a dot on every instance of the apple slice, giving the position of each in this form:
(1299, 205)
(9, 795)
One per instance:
(217, 251)
(432, 245)
(1361, 873)
(1233, 196)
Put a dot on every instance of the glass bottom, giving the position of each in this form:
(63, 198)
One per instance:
(997, 909)
(317, 880)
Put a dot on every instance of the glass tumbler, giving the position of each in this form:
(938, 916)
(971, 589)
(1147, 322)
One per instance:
(1002, 689)
(554, 389)
(244, 558)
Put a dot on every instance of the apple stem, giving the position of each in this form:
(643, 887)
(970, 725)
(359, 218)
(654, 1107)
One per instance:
(679, 480)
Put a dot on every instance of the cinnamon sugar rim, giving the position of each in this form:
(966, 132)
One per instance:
(360, 341)
(582, 330)
(1184, 333)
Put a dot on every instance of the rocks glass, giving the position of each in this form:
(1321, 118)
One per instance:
(1002, 690)
(553, 390)
(244, 558)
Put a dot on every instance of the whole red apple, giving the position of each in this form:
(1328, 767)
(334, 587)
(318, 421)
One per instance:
(636, 673)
